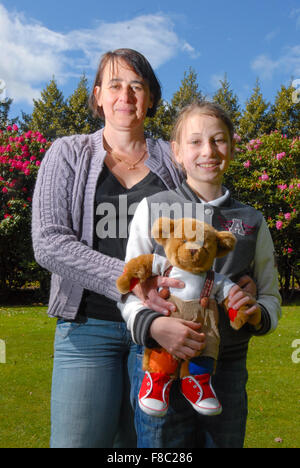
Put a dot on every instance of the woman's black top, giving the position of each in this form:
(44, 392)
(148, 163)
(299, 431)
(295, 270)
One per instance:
(114, 210)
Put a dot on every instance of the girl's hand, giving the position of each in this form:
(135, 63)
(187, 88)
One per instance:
(247, 284)
(147, 292)
(180, 338)
(238, 298)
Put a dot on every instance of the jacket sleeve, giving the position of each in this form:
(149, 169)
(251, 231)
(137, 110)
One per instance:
(56, 245)
(135, 314)
(266, 277)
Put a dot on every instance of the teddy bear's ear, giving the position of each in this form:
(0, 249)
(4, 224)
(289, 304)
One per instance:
(226, 242)
(162, 230)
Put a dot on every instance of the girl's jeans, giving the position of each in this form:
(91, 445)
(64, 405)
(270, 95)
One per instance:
(90, 403)
(183, 427)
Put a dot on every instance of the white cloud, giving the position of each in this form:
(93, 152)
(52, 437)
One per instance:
(216, 79)
(287, 64)
(31, 54)
(271, 35)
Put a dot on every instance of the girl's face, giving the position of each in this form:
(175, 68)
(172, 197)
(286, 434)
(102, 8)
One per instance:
(123, 95)
(205, 149)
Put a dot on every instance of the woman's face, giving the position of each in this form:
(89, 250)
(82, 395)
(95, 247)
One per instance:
(124, 96)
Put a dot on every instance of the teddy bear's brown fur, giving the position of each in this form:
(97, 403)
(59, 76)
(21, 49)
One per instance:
(190, 245)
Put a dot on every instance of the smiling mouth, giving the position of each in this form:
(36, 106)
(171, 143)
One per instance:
(208, 165)
(125, 109)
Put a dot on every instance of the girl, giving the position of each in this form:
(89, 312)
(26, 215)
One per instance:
(203, 145)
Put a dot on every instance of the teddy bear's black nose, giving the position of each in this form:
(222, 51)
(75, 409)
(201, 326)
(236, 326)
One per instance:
(193, 251)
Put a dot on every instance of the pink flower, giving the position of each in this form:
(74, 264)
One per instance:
(287, 215)
(4, 190)
(15, 127)
(282, 186)
(237, 137)
(279, 225)
(264, 176)
(42, 150)
(290, 250)
(9, 128)
(38, 163)
(247, 164)
(280, 156)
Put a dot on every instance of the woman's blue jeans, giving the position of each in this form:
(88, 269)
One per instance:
(90, 402)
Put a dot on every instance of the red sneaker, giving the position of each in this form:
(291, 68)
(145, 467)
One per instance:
(154, 393)
(197, 389)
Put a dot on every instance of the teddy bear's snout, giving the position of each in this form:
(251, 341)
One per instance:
(193, 246)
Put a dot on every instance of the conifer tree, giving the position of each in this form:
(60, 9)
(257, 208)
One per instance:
(49, 114)
(256, 120)
(79, 117)
(5, 105)
(286, 112)
(228, 100)
(188, 91)
(160, 126)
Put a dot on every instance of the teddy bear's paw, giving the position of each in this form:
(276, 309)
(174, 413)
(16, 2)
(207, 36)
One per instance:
(123, 284)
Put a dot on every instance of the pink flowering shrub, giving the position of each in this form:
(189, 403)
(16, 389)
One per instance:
(20, 158)
(265, 174)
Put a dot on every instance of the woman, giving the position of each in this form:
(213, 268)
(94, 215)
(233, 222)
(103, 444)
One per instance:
(85, 195)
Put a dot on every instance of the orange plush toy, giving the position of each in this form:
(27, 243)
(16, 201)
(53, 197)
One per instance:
(190, 247)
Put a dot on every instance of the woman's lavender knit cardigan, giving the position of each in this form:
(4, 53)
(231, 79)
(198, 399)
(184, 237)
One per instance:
(63, 219)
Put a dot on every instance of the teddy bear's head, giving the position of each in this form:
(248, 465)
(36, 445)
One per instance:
(190, 244)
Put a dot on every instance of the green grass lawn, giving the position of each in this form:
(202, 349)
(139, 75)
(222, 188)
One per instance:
(25, 380)
(274, 386)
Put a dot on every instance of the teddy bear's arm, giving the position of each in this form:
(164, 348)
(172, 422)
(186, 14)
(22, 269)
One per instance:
(137, 269)
(237, 317)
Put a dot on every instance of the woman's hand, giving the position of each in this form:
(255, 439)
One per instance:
(180, 338)
(147, 292)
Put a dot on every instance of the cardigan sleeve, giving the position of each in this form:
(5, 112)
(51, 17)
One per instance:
(57, 247)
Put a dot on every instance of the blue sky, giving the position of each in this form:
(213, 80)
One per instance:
(245, 39)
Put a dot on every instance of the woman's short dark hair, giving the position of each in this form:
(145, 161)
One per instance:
(139, 64)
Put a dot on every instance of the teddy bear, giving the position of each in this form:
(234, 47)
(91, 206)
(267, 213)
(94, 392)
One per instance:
(190, 247)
